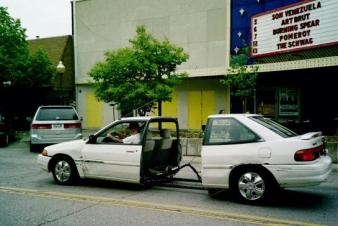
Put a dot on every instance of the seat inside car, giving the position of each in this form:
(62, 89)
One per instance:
(148, 150)
(162, 150)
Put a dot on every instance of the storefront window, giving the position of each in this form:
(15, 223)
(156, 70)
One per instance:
(288, 102)
(266, 99)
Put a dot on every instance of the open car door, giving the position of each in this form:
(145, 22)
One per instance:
(161, 147)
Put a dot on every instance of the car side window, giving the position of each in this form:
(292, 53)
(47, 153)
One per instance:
(120, 131)
(128, 133)
(229, 131)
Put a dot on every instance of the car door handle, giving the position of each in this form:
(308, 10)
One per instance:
(131, 151)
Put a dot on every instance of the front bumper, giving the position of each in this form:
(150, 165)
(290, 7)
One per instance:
(43, 161)
(302, 175)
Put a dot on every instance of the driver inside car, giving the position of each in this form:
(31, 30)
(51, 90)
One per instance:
(133, 138)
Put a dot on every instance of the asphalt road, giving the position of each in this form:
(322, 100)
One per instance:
(29, 196)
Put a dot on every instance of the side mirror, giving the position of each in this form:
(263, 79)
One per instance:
(203, 127)
(92, 139)
(29, 119)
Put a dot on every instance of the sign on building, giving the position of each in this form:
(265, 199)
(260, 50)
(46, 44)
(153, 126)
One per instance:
(300, 26)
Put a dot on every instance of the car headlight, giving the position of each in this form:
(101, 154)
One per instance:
(44, 152)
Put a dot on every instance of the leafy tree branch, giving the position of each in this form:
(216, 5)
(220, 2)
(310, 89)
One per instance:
(137, 77)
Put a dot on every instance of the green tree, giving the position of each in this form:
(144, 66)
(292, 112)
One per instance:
(241, 77)
(137, 77)
(40, 70)
(13, 48)
(16, 63)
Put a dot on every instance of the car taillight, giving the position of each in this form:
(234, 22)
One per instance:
(72, 126)
(309, 154)
(41, 126)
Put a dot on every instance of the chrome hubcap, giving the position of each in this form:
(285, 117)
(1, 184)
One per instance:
(251, 186)
(62, 171)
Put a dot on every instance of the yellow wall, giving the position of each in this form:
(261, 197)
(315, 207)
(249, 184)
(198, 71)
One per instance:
(200, 105)
(194, 109)
(170, 108)
(94, 112)
(208, 105)
(191, 103)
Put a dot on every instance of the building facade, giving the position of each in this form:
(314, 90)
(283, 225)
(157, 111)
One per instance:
(296, 84)
(295, 45)
(59, 49)
(197, 26)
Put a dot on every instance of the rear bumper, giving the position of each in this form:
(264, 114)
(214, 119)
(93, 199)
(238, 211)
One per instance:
(35, 139)
(43, 162)
(302, 175)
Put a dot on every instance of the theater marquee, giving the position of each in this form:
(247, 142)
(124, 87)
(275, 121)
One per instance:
(300, 26)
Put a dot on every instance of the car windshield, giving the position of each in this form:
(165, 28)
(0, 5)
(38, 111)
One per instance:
(50, 114)
(274, 126)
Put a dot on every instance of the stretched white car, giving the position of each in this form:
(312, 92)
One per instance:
(253, 156)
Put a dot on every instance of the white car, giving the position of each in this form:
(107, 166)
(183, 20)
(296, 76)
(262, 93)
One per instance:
(105, 157)
(253, 156)
(249, 154)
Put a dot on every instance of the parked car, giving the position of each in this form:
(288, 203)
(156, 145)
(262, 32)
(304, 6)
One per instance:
(251, 155)
(254, 156)
(6, 132)
(102, 157)
(54, 124)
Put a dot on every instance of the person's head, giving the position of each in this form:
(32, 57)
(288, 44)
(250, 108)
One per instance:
(134, 127)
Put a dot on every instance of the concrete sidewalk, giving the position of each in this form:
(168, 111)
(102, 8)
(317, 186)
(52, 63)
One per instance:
(196, 161)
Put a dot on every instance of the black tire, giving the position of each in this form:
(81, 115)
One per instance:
(32, 148)
(64, 171)
(214, 192)
(253, 185)
(5, 141)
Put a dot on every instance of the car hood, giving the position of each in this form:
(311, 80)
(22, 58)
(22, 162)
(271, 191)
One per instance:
(68, 147)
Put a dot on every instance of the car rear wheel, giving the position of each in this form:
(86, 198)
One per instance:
(64, 171)
(253, 185)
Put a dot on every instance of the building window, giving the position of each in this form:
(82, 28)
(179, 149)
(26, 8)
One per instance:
(288, 102)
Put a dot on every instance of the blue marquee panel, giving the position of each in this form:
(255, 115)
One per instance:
(242, 23)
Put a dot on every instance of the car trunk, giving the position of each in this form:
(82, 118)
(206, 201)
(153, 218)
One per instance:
(59, 130)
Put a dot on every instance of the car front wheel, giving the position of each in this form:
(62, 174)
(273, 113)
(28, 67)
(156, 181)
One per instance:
(64, 171)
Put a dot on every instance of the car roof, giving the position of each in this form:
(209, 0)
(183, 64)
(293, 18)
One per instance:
(138, 119)
(232, 115)
(56, 106)
(146, 118)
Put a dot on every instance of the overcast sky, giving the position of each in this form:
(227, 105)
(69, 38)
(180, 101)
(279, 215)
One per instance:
(44, 18)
